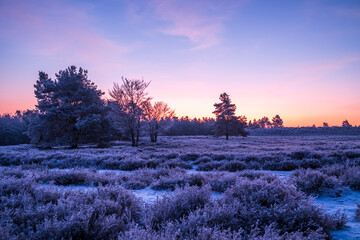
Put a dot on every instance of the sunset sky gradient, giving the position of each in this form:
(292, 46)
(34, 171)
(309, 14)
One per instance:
(298, 59)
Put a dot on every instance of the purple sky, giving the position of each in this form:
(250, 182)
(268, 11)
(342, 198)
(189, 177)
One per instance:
(299, 59)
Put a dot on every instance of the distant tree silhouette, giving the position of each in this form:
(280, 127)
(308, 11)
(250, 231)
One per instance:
(189, 127)
(254, 124)
(346, 123)
(129, 106)
(261, 123)
(226, 122)
(157, 116)
(277, 122)
(69, 111)
(13, 129)
(325, 124)
(264, 122)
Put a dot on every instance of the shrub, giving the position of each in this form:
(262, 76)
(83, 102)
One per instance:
(313, 182)
(178, 180)
(171, 155)
(276, 202)
(133, 164)
(176, 163)
(189, 157)
(232, 166)
(176, 206)
(111, 163)
(288, 165)
(222, 183)
(35, 212)
(203, 159)
(218, 157)
(310, 163)
(357, 212)
(258, 209)
(352, 154)
(299, 155)
(351, 178)
(209, 166)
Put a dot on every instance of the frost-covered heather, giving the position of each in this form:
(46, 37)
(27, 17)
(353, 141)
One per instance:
(86, 193)
(357, 212)
(30, 211)
(329, 179)
(256, 204)
(202, 153)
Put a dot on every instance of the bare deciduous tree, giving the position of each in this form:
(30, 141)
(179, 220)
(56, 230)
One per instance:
(128, 107)
(157, 115)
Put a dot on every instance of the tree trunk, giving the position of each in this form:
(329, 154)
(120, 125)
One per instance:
(137, 135)
(227, 136)
(132, 139)
(152, 137)
(156, 137)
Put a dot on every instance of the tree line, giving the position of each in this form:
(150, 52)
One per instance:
(71, 110)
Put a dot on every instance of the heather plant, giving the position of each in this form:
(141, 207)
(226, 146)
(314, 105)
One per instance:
(178, 180)
(209, 166)
(314, 182)
(288, 165)
(190, 156)
(232, 166)
(31, 211)
(357, 212)
(222, 183)
(257, 209)
(203, 159)
(310, 163)
(351, 178)
(176, 163)
(176, 206)
(276, 201)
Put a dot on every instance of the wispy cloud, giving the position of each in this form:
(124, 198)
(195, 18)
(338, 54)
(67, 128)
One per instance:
(58, 31)
(202, 22)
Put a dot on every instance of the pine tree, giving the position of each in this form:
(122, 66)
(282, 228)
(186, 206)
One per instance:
(277, 122)
(346, 123)
(226, 122)
(70, 110)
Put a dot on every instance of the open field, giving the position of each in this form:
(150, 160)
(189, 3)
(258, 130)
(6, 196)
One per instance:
(258, 187)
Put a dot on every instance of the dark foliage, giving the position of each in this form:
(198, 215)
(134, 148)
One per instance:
(13, 130)
(226, 122)
(190, 127)
(71, 111)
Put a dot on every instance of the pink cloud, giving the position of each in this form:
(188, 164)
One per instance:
(200, 21)
(62, 32)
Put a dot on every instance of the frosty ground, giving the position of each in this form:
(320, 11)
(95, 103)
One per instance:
(258, 187)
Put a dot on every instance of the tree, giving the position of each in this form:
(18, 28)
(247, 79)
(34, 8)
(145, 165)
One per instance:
(346, 123)
(254, 124)
(277, 122)
(157, 118)
(325, 124)
(13, 129)
(69, 111)
(226, 122)
(129, 106)
(264, 122)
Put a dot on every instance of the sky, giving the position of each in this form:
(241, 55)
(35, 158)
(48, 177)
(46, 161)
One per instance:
(298, 59)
